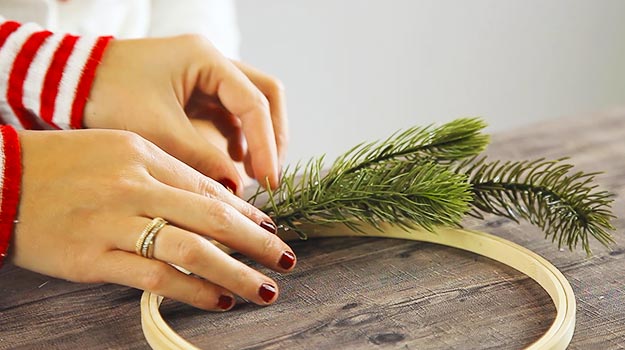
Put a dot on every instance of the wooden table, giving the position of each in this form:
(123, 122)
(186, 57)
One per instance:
(372, 293)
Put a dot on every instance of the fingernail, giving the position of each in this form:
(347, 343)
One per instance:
(229, 185)
(269, 226)
(267, 292)
(225, 302)
(287, 260)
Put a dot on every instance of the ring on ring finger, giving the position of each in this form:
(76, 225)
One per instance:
(145, 244)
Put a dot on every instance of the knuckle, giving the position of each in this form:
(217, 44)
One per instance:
(197, 41)
(242, 278)
(154, 279)
(207, 187)
(275, 86)
(202, 299)
(261, 102)
(252, 212)
(189, 252)
(268, 248)
(133, 153)
(124, 185)
(131, 141)
(222, 216)
(132, 148)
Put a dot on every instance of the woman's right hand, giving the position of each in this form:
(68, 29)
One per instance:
(153, 86)
(87, 195)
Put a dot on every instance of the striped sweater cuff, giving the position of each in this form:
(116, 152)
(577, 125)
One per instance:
(10, 180)
(45, 78)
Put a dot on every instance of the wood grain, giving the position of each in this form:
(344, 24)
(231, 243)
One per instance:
(357, 293)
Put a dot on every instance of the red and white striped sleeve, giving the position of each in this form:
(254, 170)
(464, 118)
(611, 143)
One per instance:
(10, 179)
(45, 78)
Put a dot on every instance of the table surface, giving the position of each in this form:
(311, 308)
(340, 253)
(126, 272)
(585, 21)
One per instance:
(373, 293)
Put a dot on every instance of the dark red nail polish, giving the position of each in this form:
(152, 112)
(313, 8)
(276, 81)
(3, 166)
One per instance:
(269, 226)
(267, 292)
(287, 260)
(229, 185)
(225, 302)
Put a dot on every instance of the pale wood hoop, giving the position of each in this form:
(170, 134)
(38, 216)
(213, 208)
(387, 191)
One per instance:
(160, 336)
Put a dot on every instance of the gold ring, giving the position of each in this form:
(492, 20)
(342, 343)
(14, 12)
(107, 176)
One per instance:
(145, 243)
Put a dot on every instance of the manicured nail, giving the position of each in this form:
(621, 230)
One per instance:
(287, 260)
(267, 292)
(229, 185)
(225, 302)
(269, 226)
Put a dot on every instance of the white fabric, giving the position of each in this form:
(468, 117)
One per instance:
(39, 11)
(7, 56)
(69, 81)
(121, 18)
(215, 19)
(37, 73)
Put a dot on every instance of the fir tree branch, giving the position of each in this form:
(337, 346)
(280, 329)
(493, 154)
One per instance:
(425, 195)
(430, 176)
(395, 180)
(455, 140)
(566, 206)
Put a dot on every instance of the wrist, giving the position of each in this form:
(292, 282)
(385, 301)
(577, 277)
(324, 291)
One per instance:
(86, 81)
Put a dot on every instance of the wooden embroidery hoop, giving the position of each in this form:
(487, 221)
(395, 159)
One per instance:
(160, 336)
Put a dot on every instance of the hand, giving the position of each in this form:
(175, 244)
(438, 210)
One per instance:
(87, 195)
(146, 86)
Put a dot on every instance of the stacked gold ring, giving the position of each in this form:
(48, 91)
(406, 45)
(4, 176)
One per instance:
(145, 243)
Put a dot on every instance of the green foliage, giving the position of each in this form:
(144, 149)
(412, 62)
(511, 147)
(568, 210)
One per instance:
(397, 180)
(456, 140)
(431, 176)
(425, 195)
(565, 205)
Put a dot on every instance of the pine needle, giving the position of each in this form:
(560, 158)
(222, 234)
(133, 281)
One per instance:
(425, 195)
(455, 140)
(566, 205)
(431, 176)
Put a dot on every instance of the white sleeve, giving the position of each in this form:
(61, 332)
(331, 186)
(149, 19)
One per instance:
(42, 12)
(215, 19)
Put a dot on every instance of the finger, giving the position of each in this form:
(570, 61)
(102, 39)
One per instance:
(191, 148)
(168, 170)
(273, 89)
(247, 165)
(214, 121)
(228, 139)
(236, 145)
(220, 221)
(203, 258)
(157, 277)
(237, 93)
(230, 126)
(198, 255)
